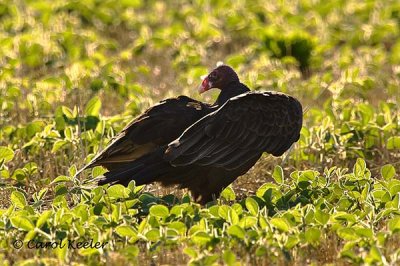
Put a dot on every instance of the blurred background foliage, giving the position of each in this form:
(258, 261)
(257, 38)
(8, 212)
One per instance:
(340, 58)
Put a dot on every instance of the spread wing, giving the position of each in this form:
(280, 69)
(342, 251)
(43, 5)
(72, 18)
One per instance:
(244, 127)
(156, 127)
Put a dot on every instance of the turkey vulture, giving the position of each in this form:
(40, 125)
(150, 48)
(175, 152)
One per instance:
(200, 146)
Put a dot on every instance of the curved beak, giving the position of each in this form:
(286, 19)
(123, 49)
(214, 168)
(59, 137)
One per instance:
(205, 85)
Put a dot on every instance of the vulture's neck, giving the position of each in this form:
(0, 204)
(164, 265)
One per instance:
(230, 91)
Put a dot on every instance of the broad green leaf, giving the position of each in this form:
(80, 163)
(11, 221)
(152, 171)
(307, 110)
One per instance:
(229, 257)
(118, 191)
(376, 255)
(159, 211)
(61, 178)
(6, 154)
(200, 238)
(348, 234)
(233, 217)
(359, 167)
(252, 206)
(58, 145)
(321, 216)
(131, 251)
(277, 175)
(153, 235)
(261, 251)
(67, 112)
(191, 252)
(22, 222)
(364, 232)
(292, 241)
(313, 235)
(30, 235)
(61, 251)
(393, 143)
(248, 221)
(93, 107)
(98, 171)
(388, 171)
(124, 230)
(223, 211)
(280, 223)
(236, 230)
(18, 199)
(179, 226)
(394, 225)
(88, 251)
(44, 217)
(228, 194)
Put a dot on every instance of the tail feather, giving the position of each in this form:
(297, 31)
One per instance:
(144, 170)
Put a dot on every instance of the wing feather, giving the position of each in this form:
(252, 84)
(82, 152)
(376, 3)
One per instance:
(157, 126)
(244, 127)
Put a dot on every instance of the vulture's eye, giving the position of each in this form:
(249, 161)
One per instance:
(213, 75)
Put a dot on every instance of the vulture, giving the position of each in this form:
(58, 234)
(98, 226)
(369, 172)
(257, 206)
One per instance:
(199, 146)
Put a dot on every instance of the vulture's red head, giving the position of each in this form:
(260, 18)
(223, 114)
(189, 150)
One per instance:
(220, 78)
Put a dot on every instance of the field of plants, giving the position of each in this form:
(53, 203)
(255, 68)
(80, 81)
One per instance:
(74, 73)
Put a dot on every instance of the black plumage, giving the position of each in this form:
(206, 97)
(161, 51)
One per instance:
(199, 146)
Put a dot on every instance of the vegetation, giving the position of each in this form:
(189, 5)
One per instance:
(74, 73)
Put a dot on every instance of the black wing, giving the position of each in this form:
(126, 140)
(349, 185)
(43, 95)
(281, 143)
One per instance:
(157, 126)
(241, 129)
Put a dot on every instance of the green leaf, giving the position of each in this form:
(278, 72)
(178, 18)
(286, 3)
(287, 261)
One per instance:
(248, 221)
(22, 222)
(229, 257)
(191, 252)
(364, 232)
(237, 231)
(98, 171)
(93, 107)
(131, 251)
(67, 112)
(18, 199)
(321, 216)
(30, 235)
(348, 234)
(223, 211)
(61, 189)
(312, 235)
(277, 175)
(61, 178)
(62, 250)
(6, 154)
(376, 255)
(43, 218)
(228, 194)
(280, 223)
(394, 225)
(393, 143)
(153, 235)
(233, 217)
(58, 145)
(124, 230)
(118, 192)
(159, 211)
(34, 128)
(388, 171)
(200, 238)
(359, 167)
(252, 206)
(88, 251)
(178, 226)
(261, 251)
(292, 241)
